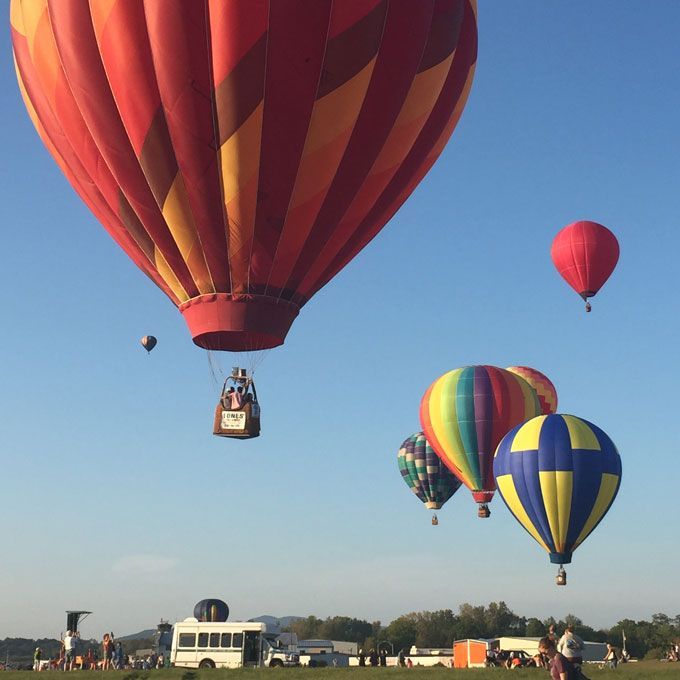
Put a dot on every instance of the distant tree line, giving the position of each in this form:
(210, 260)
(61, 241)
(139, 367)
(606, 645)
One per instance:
(423, 629)
(441, 628)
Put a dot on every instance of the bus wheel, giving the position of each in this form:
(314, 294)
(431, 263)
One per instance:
(275, 663)
(207, 663)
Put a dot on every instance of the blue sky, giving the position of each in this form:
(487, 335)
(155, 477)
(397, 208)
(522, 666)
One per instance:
(117, 498)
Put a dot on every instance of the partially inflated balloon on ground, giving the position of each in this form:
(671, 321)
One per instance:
(545, 390)
(466, 412)
(211, 610)
(558, 475)
(424, 473)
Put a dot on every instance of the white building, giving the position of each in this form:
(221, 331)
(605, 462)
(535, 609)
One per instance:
(592, 651)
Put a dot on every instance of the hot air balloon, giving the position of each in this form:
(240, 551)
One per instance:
(464, 415)
(585, 254)
(148, 342)
(545, 390)
(211, 610)
(243, 152)
(558, 475)
(425, 474)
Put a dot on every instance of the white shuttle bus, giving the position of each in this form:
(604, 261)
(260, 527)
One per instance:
(226, 645)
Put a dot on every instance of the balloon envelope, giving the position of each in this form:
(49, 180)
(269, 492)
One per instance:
(585, 254)
(148, 342)
(243, 152)
(464, 415)
(211, 610)
(542, 385)
(424, 472)
(558, 475)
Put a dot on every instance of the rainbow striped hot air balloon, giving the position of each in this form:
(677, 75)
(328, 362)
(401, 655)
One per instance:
(425, 474)
(558, 475)
(545, 390)
(466, 412)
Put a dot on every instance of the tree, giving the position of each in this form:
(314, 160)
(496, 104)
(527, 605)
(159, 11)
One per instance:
(345, 628)
(401, 632)
(306, 629)
(535, 628)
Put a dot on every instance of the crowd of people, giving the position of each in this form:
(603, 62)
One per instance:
(112, 657)
(379, 658)
(563, 657)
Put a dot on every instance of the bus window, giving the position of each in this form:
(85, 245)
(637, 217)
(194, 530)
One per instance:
(202, 640)
(187, 640)
(226, 640)
(214, 640)
(238, 640)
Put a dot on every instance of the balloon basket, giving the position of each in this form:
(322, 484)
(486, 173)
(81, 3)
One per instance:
(561, 578)
(237, 423)
(483, 511)
(435, 520)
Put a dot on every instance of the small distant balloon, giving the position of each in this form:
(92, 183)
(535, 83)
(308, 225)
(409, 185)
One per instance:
(148, 342)
(425, 474)
(545, 390)
(585, 254)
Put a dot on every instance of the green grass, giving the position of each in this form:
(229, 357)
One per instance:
(632, 671)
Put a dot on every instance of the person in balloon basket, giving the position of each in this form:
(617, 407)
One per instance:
(226, 398)
(560, 668)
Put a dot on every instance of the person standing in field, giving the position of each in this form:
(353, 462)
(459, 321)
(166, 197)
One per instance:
(571, 647)
(559, 666)
(69, 649)
(37, 656)
(610, 657)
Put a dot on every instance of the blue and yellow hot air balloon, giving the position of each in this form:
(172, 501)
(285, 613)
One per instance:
(425, 474)
(558, 475)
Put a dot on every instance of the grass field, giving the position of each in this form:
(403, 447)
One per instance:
(633, 671)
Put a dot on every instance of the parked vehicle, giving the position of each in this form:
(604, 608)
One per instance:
(226, 645)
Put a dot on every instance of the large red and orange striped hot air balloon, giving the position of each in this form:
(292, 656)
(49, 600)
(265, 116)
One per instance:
(242, 152)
